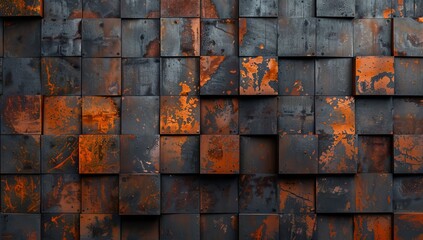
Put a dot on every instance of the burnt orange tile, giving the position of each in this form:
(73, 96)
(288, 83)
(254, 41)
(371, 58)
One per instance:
(62, 115)
(21, 115)
(219, 154)
(259, 76)
(219, 116)
(100, 194)
(179, 115)
(20, 194)
(335, 115)
(408, 153)
(101, 115)
(99, 154)
(376, 227)
(374, 75)
(17, 8)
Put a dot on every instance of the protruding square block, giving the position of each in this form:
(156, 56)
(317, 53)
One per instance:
(259, 76)
(62, 9)
(62, 115)
(179, 36)
(101, 76)
(219, 226)
(297, 195)
(408, 153)
(338, 153)
(297, 9)
(219, 116)
(334, 37)
(219, 37)
(61, 37)
(61, 76)
(374, 154)
(372, 37)
(373, 9)
(295, 114)
(180, 8)
(59, 225)
(335, 194)
(298, 154)
(61, 193)
(20, 154)
(258, 226)
(296, 77)
(373, 192)
(373, 226)
(140, 9)
(302, 37)
(59, 154)
(219, 75)
(180, 76)
(140, 115)
(335, 115)
(219, 9)
(99, 154)
(408, 226)
(407, 194)
(21, 76)
(141, 37)
(333, 76)
(408, 76)
(140, 227)
(219, 154)
(99, 226)
(22, 36)
(101, 9)
(180, 226)
(408, 115)
(179, 154)
(335, 227)
(219, 194)
(179, 115)
(407, 40)
(141, 76)
(258, 193)
(258, 36)
(101, 37)
(180, 194)
(335, 8)
(374, 75)
(21, 115)
(20, 194)
(139, 194)
(256, 8)
(297, 226)
(100, 194)
(20, 226)
(374, 116)
(100, 115)
(11, 8)
(139, 153)
(258, 115)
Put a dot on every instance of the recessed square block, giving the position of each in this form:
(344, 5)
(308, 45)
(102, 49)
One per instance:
(408, 153)
(298, 154)
(139, 194)
(180, 226)
(302, 37)
(180, 194)
(101, 76)
(219, 226)
(62, 9)
(373, 192)
(61, 193)
(101, 9)
(259, 76)
(335, 194)
(296, 114)
(374, 75)
(141, 37)
(407, 194)
(99, 154)
(61, 37)
(334, 37)
(333, 76)
(219, 9)
(297, 195)
(337, 8)
(62, 115)
(373, 226)
(100, 194)
(408, 76)
(21, 115)
(140, 227)
(374, 154)
(297, 226)
(219, 37)
(99, 226)
(100, 115)
(335, 115)
(59, 154)
(179, 154)
(101, 37)
(180, 76)
(219, 75)
(180, 36)
(20, 226)
(258, 193)
(258, 226)
(296, 77)
(258, 36)
(408, 226)
(408, 115)
(179, 115)
(140, 9)
(20, 154)
(255, 8)
(219, 116)
(61, 76)
(139, 153)
(21, 76)
(297, 9)
(20, 193)
(258, 154)
(373, 8)
(140, 76)
(219, 154)
(22, 37)
(219, 194)
(10, 8)
(180, 8)
(140, 115)
(335, 227)
(57, 226)
(407, 40)
(258, 115)
(374, 116)
(372, 37)
(338, 153)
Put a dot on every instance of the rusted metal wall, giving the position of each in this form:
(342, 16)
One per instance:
(211, 119)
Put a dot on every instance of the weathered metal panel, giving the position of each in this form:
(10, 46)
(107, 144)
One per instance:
(408, 226)
(139, 227)
(139, 194)
(408, 153)
(219, 154)
(219, 37)
(20, 154)
(374, 154)
(12, 227)
(180, 8)
(373, 192)
(259, 76)
(20, 194)
(101, 37)
(11, 8)
(219, 9)
(140, 115)
(338, 153)
(139, 153)
(374, 116)
(257, 194)
(335, 227)
(180, 194)
(140, 8)
(368, 226)
(62, 9)
(335, 115)
(22, 38)
(334, 76)
(374, 75)
(298, 154)
(180, 36)
(180, 226)
(258, 8)
(219, 226)
(258, 115)
(60, 226)
(100, 115)
(61, 76)
(219, 116)
(407, 37)
(101, 76)
(258, 36)
(408, 76)
(59, 154)
(100, 194)
(61, 193)
(297, 9)
(21, 114)
(297, 195)
(97, 226)
(21, 76)
(334, 37)
(61, 37)
(297, 226)
(302, 37)
(296, 77)
(335, 194)
(219, 194)
(141, 76)
(99, 154)
(101, 9)
(62, 115)
(259, 226)
(407, 194)
(141, 38)
(406, 8)
(408, 115)
(258, 154)
(373, 8)
(180, 76)
(335, 8)
(296, 115)
(219, 75)
(179, 115)
(372, 37)
(179, 154)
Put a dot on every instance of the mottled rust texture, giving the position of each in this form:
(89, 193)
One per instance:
(211, 119)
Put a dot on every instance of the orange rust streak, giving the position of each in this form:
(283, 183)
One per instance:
(242, 29)
(208, 67)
